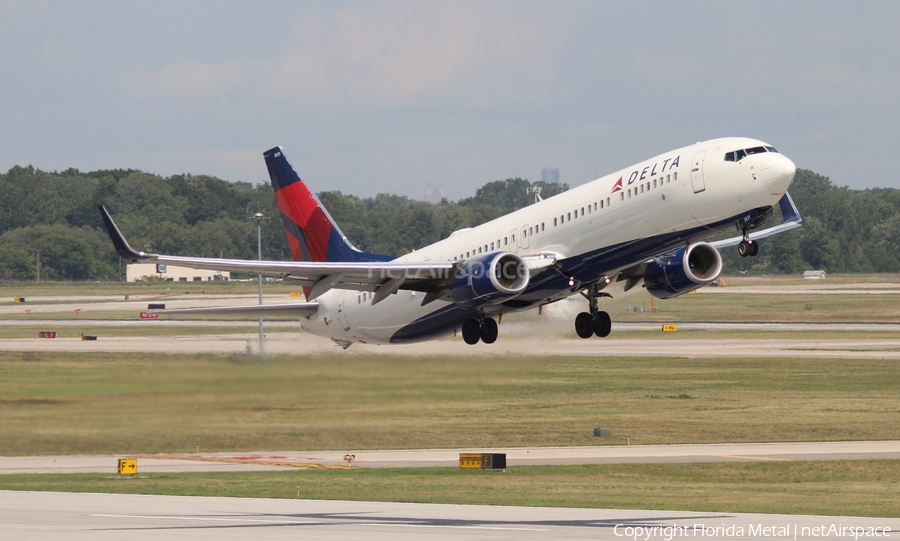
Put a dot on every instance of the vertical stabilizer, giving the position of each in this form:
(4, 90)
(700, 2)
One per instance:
(311, 232)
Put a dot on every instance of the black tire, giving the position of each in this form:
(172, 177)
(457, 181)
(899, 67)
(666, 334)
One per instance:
(489, 331)
(754, 249)
(744, 248)
(471, 331)
(602, 324)
(584, 325)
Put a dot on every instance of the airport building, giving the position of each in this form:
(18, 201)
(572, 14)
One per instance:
(171, 273)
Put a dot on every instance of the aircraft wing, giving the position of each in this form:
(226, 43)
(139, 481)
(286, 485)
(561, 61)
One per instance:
(300, 309)
(382, 278)
(791, 219)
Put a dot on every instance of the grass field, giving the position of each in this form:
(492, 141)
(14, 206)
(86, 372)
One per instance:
(147, 330)
(855, 488)
(66, 403)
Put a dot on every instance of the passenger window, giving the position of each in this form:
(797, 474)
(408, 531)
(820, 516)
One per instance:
(468, 255)
(492, 246)
(648, 185)
(485, 248)
(582, 211)
(607, 202)
(668, 179)
(595, 205)
(601, 203)
(505, 239)
(589, 209)
(542, 226)
(555, 220)
(621, 196)
(642, 188)
(479, 249)
(654, 183)
(675, 176)
(570, 216)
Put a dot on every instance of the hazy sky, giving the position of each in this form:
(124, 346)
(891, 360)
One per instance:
(369, 96)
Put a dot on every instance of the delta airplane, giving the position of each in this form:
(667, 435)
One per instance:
(644, 224)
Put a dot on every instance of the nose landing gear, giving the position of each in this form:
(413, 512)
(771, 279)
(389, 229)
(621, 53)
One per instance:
(597, 322)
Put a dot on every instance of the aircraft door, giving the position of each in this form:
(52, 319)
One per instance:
(697, 172)
(524, 241)
(513, 241)
(342, 311)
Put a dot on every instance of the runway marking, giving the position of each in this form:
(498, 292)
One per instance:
(757, 458)
(334, 523)
(285, 464)
(509, 528)
(209, 519)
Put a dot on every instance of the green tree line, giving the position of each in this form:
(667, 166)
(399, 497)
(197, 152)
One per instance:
(53, 216)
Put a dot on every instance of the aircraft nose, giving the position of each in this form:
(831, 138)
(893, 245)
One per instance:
(778, 174)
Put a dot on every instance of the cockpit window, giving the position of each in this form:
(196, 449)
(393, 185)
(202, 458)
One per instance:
(738, 155)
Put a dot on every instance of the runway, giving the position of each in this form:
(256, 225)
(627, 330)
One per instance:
(50, 516)
(299, 343)
(420, 458)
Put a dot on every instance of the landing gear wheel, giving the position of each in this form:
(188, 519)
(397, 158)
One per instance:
(471, 331)
(584, 325)
(489, 331)
(602, 324)
(748, 248)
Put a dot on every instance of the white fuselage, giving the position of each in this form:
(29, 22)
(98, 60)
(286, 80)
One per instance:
(687, 189)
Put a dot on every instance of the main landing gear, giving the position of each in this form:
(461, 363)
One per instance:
(596, 322)
(748, 248)
(480, 328)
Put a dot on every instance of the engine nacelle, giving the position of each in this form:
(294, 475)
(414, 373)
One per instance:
(489, 279)
(683, 271)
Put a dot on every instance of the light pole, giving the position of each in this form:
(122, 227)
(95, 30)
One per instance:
(262, 339)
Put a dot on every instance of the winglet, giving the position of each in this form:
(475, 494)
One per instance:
(789, 210)
(121, 245)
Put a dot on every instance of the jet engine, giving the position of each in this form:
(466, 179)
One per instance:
(683, 271)
(489, 279)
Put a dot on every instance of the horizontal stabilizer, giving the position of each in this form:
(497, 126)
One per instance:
(304, 309)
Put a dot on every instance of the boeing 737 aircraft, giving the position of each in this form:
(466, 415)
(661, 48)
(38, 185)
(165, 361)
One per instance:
(644, 224)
